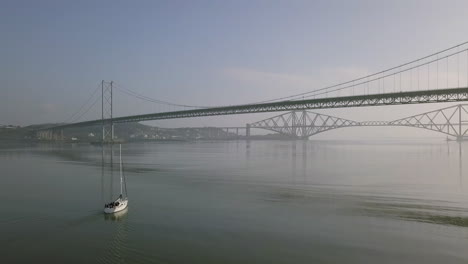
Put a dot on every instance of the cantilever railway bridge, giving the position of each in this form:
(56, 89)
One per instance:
(452, 121)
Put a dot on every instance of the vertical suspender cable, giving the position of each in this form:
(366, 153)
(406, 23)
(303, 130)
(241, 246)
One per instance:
(458, 69)
(383, 82)
(410, 79)
(418, 78)
(368, 82)
(378, 88)
(102, 108)
(400, 80)
(428, 83)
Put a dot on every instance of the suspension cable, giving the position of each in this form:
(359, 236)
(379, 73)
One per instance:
(82, 106)
(87, 110)
(368, 76)
(401, 71)
(127, 91)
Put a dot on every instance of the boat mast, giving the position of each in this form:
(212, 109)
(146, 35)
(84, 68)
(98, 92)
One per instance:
(121, 180)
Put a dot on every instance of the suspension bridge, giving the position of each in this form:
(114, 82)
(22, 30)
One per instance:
(441, 77)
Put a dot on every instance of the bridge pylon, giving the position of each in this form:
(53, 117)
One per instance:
(107, 111)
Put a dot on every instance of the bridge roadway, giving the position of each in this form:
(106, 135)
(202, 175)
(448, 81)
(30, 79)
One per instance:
(398, 98)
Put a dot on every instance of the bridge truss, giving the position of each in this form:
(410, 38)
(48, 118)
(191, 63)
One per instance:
(452, 121)
(397, 98)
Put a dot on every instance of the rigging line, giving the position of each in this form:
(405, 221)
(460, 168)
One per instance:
(405, 70)
(81, 108)
(368, 76)
(125, 181)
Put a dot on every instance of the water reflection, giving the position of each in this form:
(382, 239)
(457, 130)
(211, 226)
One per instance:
(304, 161)
(117, 217)
(255, 202)
(117, 247)
(460, 168)
(450, 210)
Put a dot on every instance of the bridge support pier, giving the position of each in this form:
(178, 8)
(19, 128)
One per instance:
(247, 131)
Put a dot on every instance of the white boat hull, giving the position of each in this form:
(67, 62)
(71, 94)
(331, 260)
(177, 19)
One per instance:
(122, 205)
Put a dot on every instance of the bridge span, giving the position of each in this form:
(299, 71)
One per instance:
(420, 81)
(397, 98)
(452, 121)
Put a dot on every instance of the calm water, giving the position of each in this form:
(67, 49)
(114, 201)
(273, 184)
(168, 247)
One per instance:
(384, 201)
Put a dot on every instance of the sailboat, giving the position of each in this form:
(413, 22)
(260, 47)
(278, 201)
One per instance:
(121, 202)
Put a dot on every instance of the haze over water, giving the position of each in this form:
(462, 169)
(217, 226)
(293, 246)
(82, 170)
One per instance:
(378, 201)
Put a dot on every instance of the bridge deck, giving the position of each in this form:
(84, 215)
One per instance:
(399, 98)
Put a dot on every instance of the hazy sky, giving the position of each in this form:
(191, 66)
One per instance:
(55, 53)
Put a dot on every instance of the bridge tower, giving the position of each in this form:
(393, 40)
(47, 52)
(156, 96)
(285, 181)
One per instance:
(107, 123)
